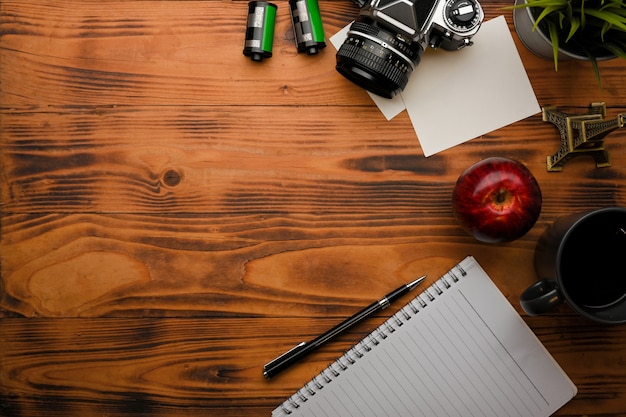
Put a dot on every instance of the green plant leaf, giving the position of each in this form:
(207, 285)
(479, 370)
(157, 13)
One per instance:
(574, 26)
(596, 68)
(615, 49)
(561, 17)
(608, 17)
(617, 4)
(545, 12)
(619, 9)
(605, 28)
(583, 16)
(613, 14)
(569, 11)
(554, 38)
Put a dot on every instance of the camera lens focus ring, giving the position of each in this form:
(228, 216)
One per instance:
(384, 37)
(377, 60)
(392, 77)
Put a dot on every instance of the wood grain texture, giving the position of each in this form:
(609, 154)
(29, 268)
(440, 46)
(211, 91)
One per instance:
(174, 215)
(171, 366)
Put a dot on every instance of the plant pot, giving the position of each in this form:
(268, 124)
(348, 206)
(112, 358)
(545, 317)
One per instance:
(539, 42)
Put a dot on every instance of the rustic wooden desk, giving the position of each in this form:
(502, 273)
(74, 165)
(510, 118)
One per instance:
(175, 215)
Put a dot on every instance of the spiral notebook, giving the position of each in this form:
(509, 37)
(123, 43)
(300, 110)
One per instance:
(457, 349)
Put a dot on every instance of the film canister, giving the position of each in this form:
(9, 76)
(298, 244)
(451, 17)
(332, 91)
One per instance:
(260, 30)
(307, 26)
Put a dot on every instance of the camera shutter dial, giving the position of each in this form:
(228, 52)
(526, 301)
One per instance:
(462, 15)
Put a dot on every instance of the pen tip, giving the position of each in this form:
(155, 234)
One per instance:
(415, 283)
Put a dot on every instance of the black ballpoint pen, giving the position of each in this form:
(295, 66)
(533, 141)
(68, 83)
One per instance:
(273, 367)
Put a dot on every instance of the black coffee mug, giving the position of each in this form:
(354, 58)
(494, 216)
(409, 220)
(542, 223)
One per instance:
(581, 260)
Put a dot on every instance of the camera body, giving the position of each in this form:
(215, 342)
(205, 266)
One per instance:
(386, 41)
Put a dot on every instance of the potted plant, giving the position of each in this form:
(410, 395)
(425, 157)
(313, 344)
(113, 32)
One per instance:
(572, 29)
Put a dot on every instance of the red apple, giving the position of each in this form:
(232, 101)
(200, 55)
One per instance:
(497, 200)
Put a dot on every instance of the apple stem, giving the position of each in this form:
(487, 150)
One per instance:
(501, 196)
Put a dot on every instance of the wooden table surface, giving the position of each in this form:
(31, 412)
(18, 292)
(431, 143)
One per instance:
(175, 215)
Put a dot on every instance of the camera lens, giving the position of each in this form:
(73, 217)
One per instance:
(376, 59)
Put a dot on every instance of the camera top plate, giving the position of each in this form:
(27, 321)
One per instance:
(408, 16)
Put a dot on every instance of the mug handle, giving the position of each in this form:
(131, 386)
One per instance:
(540, 297)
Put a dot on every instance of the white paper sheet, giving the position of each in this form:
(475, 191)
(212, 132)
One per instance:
(453, 97)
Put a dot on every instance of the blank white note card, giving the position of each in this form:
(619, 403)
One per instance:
(455, 96)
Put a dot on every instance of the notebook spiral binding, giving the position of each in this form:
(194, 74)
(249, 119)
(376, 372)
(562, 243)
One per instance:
(376, 337)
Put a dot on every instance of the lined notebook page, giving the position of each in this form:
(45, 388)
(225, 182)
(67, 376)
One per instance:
(457, 349)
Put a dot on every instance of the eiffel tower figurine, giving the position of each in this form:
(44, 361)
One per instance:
(582, 134)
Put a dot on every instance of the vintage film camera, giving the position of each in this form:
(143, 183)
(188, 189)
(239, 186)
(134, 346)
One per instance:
(386, 41)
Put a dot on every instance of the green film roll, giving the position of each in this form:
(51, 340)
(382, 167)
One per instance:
(260, 30)
(307, 26)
